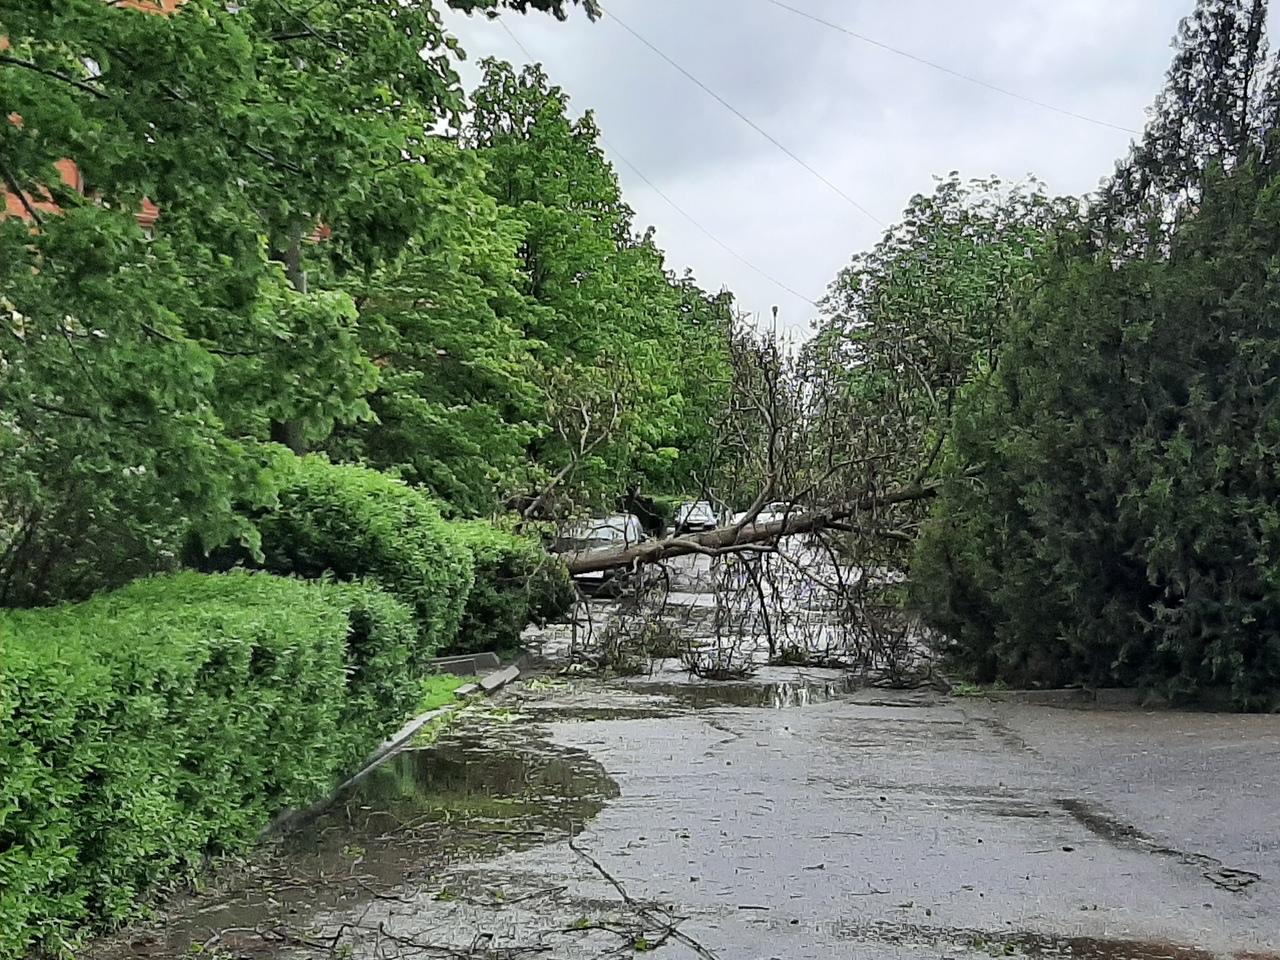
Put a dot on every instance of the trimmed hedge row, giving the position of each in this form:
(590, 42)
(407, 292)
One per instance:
(516, 583)
(151, 727)
(474, 586)
(351, 522)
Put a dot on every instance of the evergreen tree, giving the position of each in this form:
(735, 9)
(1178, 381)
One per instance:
(1124, 526)
(1211, 113)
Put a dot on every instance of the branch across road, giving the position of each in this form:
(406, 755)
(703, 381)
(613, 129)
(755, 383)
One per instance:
(743, 537)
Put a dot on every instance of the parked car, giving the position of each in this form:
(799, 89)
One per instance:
(602, 533)
(696, 516)
(769, 513)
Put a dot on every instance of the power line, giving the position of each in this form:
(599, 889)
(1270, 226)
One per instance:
(711, 236)
(947, 70)
(675, 206)
(748, 121)
(502, 21)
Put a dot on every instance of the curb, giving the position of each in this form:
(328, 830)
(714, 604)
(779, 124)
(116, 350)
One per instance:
(1105, 698)
(394, 742)
(467, 664)
(489, 685)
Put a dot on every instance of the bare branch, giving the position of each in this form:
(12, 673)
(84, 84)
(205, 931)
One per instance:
(735, 536)
(14, 188)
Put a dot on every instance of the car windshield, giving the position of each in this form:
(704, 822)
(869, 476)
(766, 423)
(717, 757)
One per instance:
(697, 511)
(600, 533)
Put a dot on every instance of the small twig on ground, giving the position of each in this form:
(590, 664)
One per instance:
(668, 924)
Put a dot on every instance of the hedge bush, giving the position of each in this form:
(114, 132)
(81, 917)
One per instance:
(148, 728)
(516, 582)
(385, 668)
(352, 522)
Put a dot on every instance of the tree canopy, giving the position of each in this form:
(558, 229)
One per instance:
(332, 266)
(1121, 526)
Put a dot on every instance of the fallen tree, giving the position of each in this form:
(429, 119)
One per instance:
(746, 536)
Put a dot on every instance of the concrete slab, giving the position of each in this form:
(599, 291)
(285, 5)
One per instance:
(466, 664)
(496, 681)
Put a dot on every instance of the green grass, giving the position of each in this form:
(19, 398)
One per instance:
(438, 690)
(967, 688)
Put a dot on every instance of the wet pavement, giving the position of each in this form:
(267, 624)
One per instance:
(788, 812)
(789, 816)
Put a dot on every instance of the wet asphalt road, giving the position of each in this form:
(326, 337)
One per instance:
(786, 817)
(781, 818)
(889, 826)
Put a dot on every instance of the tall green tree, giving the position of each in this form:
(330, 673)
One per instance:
(559, 8)
(1213, 106)
(292, 149)
(611, 330)
(911, 322)
(457, 402)
(1123, 528)
(143, 371)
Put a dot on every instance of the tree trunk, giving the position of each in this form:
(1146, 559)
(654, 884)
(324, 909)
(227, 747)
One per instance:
(290, 432)
(740, 538)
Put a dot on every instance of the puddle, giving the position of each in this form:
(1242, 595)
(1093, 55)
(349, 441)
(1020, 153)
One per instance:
(661, 699)
(775, 695)
(486, 786)
(564, 714)
(496, 788)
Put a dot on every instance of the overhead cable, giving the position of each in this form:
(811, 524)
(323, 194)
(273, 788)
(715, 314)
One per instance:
(748, 121)
(672, 203)
(968, 78)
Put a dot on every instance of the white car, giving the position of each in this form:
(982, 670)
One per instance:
(601, 533)
(769, 513)
(696, 515)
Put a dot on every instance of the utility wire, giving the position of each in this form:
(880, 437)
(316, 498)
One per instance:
(711, 236)
(947, 70)
(502, 22)
(675, 206)
(748, 121)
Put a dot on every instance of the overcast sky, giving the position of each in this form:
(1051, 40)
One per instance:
(875, 124)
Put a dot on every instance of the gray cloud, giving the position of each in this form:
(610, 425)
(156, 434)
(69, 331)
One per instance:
(877, 125)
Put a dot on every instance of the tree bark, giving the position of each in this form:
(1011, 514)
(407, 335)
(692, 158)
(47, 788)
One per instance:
(290, 432)
(741, 537)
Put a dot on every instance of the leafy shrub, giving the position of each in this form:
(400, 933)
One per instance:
(148, 728)
(384, 660)
(352, 522)
(516, 582)
(1126, 529)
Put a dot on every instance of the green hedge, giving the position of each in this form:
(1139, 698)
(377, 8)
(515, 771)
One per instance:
(473, 586)
(150, 727)
(351, 522)
(516, 582)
